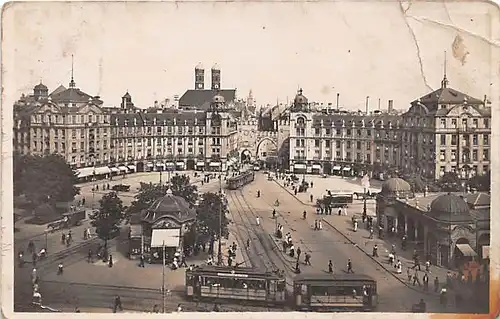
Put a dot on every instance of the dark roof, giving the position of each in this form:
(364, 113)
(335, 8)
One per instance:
(449, 207)
(59, 89)
(40, 86)
(201, 99)
(167, 117)
(73, 95)
(395, 184)
(478, 199)
(254, 272)
(446, 95)
(170, 205)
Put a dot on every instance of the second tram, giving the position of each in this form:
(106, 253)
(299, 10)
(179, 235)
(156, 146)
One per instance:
(239, 284)
(342, 292)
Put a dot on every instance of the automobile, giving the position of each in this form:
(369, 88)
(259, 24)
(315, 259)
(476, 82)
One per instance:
(121, 188)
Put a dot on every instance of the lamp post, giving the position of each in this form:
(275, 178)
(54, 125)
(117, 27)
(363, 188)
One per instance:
(219, 252)
(163, 279)
(46, 240)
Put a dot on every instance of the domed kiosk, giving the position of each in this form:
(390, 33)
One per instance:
(397, 187)
(450, 207)
(164, 223)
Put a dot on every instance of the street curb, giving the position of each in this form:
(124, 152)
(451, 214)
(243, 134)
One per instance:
(361, 249)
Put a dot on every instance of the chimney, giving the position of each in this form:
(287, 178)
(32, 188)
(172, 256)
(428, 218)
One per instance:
(338, 95)
(390, 106)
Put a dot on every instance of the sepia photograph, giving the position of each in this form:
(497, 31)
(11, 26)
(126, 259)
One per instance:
(285, 157)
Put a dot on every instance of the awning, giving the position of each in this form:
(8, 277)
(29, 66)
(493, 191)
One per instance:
(84, 172)
(180, 164)
(466, 250)
(131, 167)
(150, 164)
(337, 168)
(122, 168)
(299, 166)
(114, 169)
(102, 170)
(167, 237)
(200, 164)
(486, 252)
(214, 164)
(316, 166)
(347, 168)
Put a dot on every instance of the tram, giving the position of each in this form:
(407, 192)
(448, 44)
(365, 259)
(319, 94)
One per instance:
(212, 283)
(342, 292)
(240, 180)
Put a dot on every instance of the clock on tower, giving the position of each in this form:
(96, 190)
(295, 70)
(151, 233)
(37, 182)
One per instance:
(200, 86)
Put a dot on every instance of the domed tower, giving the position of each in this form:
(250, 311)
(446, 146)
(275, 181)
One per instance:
(215, 77)
(300, 102)
(40, 91)
(199, 77)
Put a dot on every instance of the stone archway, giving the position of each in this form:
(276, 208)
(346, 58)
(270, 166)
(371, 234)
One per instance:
(246, 156)
(259, 145)
(457, 255)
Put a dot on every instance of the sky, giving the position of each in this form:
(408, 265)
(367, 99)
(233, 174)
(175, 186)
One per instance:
(356, 49)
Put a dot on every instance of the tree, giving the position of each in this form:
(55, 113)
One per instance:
(108, 217)
(481, 182)
(209, 225)
(44, 179)
(416, 182)
(181, 186)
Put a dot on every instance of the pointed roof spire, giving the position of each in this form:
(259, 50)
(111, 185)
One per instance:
(72, 82)
(444, 82)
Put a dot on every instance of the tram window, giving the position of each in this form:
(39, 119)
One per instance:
(189, 279)
(281, 286)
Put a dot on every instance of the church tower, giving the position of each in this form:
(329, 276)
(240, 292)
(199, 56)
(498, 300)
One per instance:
(215, 77)
(199, 77)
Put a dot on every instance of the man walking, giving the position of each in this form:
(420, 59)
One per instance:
(349, 266)
(118, 304)
(425, 280)
(307, 259)
(330, 267)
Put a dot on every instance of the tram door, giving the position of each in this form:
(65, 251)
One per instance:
(271, 290)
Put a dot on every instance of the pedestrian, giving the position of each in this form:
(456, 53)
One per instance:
(375, 251)
(118, 304)
(391, 259)
(63, 238)
(316, 225)
(443, 299)
(89, 256)
(229, 261)
(408, 272)
(436, 284)
(416, 279)
(399, 267)
(349, 266)
(311, 197)
(428, 266)
(393, 250)
(248, 244)
(371, 233)
(60, 269)
(110, 261)
(179, 308)
(284, 246)
(141, 261)
(340, 211)
(330, 266)
(257, 219)
(298, 252)
(345, 210)
(307, 259)
(425, 280)
(34, 259)
(297, 267)
(320, 224)
(292, 251)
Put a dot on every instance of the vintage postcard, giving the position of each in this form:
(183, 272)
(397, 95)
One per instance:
(287, 157)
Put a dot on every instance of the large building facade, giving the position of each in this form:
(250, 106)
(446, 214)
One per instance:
(444, 131)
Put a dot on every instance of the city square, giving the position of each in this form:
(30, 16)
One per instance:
(299, 194)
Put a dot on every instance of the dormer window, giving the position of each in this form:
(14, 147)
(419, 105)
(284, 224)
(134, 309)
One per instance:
(300, 120)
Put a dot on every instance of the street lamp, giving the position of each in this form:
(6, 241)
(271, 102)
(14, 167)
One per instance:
(163, 278)
(219, 253)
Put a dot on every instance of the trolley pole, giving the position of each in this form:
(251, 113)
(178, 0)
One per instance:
(163, 279)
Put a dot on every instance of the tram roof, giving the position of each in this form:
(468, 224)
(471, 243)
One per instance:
(331, 277)
(251, 272)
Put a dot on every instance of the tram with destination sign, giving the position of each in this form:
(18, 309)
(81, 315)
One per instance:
(339, 292)
(212, 283)
(240, 180)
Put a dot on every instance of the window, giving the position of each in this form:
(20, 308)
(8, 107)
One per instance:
(474, 139)
(486, 155)
(337, 144)
(442, 155)
(475, 123)
(486, 168)
(454, 140)
(348, 132)
(358, 145)
(297, 143)
(316, 143)
(474, 155)
(327, 131)
(454, 123)
(486, 123)
(443, 123)
(443, 139)
(348, 144)
(359, 132)
(368, 158)
(316, 131)
(338, 132)
(368, 132)
(368, 146)
(327, 144)
(486, 139)
(453, 155)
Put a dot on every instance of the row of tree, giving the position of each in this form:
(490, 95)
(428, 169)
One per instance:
(43, 179)
(211, 221)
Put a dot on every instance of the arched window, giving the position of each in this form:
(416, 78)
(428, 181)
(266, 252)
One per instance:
(301, 120)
